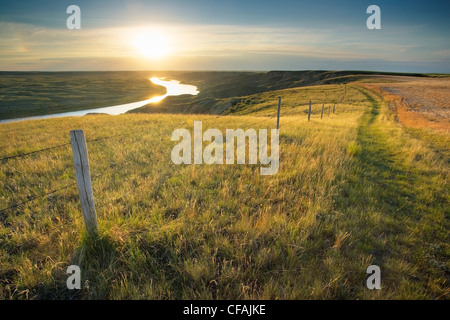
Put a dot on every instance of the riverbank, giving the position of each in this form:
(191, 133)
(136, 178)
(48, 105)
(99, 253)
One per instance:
(172, 88)
(27, 94)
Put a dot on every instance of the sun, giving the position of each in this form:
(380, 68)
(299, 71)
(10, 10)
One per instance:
(151, 44)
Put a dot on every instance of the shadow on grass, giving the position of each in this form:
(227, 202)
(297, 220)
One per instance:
(96, 256)
(390, 216)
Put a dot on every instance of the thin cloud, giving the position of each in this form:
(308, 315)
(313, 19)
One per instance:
(45, 48)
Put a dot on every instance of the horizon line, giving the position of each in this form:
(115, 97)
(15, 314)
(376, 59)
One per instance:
(218, 70)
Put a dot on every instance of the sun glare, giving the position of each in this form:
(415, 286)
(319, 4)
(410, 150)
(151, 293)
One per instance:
(173, 87)
(151, 45)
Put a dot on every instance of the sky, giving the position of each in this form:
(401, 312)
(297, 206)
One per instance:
(225, 35)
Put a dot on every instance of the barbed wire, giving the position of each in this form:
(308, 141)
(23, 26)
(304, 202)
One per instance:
(96, 140)
(134, 133)
(95, 177)
(63, 145)
(50, 148)
(37, 197)
(129, 133)
(261, 121)
(18, 247)
(103, 138)
(33, 152)
(68, 186)
(87, 141)
(3, 210)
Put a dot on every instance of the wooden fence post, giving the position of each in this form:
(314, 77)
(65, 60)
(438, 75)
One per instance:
(334, 107)
(329, 109)
(81, 161)
(309, 112)
(278, 115)
(321, 115)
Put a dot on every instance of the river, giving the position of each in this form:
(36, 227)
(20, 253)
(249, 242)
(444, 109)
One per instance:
(173, 87)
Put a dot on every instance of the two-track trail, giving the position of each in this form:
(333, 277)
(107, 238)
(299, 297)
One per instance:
(396, 202)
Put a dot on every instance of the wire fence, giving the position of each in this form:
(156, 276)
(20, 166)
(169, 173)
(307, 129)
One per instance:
(33, 152)
(3, 211)
(33, 239)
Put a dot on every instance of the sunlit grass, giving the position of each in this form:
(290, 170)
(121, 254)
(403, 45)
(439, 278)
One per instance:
(352, 190)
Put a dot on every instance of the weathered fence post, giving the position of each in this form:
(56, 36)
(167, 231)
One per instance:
(83, 176)
(309, 112)
(278, 115)
(329, 109)
(334, 107)
(321, 115)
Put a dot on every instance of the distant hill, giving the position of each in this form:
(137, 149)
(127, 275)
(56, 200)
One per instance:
(218, 90)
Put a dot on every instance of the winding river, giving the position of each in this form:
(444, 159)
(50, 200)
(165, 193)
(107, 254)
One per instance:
(173, 87)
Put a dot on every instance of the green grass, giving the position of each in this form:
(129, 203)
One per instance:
(354, 189)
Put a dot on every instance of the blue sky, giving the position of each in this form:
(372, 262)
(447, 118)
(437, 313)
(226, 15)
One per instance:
(226, 35)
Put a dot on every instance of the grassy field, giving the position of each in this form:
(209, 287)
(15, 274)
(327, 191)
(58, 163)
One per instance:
(354, 189)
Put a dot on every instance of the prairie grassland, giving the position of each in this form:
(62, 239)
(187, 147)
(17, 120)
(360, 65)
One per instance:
(354, 189)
